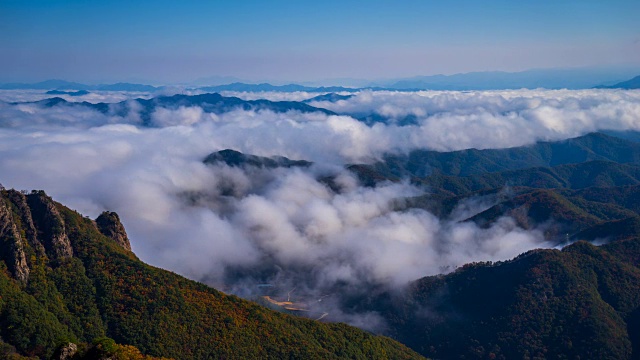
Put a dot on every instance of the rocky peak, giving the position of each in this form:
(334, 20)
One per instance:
(109, 225)
(19, 201)
(50, 225)
(12, 247)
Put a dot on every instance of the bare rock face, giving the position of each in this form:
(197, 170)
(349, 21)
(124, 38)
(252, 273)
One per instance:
(50, 225)
(109, 225)
(12, 243)
(30, 225)
(67, 351)
(19, 201)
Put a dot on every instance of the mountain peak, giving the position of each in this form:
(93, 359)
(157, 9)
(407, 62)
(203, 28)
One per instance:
(236, 158)
(629, 84)
(109, 225)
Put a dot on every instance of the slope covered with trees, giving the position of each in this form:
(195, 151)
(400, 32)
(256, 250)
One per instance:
(590, 147)
(63, 280)
(582, 302)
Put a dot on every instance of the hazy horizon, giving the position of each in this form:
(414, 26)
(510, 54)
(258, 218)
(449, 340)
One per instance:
(597, 76)
(280, 41)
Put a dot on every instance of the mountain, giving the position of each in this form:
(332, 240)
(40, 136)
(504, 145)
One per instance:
(533, 209)
(565, 199)
(218, 104)
(590, 147)
(69, 279)
(563, 187)
(122, 86)
(126, 87)
(631, 135)
(243, 87)
(612, 231)
(70, 93)
(235, 158)
(629, 84)
(579, 302)
(570, 176)
(215, 80)
(530, 79)
(331, 97)
(66, 85)
(65, 278)
(576, 78)
(211, 103)
(46, 85)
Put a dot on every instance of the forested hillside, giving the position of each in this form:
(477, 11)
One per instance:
(66, 278)
(579, 303)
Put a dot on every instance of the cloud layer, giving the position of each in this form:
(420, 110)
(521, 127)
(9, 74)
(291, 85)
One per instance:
(237, 227)
(436, 120)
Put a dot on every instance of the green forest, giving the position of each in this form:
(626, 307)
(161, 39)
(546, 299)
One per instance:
(63, 281)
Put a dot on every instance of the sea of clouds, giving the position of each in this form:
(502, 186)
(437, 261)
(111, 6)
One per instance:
(237, 227)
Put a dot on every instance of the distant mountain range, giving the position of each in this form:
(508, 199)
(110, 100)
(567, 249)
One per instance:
(547, 180)
(487, 80)
(497, 80)
(240, 87)
(67, 85)
(594, 146)
(70, 93)
(211, 103)
(629, 84)
(218, 104)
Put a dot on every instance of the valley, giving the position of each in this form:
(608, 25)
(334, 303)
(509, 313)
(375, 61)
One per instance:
(379, 180)
(491, 252)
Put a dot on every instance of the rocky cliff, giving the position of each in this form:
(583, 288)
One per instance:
(66, 279)
(109, 224)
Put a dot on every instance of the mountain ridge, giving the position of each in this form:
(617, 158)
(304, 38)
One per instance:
(82, 284)
(210, 103)
(580, 301)
(592, 146)
(633, 83)
(57, 84)
(551, 78)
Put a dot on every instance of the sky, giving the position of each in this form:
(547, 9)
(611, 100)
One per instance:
(178, 42)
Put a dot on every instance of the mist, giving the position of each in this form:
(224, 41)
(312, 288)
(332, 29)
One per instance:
(235, 228)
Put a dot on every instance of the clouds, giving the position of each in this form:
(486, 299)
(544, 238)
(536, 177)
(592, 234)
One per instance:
(92, 97)
(407, 120)
(494, 119)
(240, 226)
(198, 219)
(271, 95)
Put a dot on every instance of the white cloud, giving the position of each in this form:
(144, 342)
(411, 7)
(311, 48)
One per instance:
(203, 220)
(93, 96)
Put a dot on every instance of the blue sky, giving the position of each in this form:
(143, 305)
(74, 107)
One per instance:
(179, 41)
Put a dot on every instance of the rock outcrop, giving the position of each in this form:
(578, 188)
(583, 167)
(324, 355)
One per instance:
(50, 226)
(12, 249)
(109, 225)
(66, 352)
(19, 201)
(32, 225)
